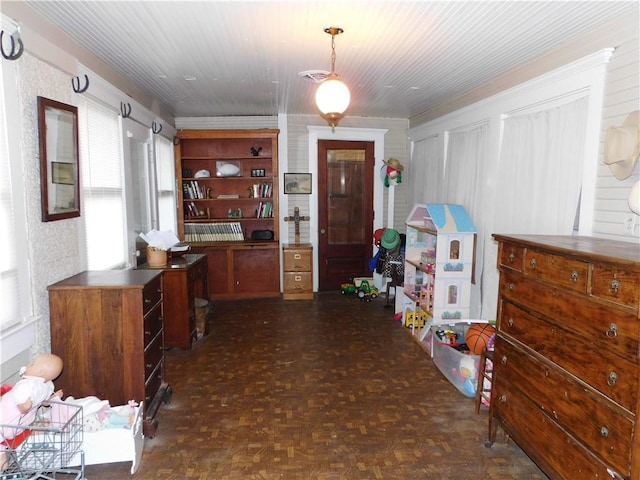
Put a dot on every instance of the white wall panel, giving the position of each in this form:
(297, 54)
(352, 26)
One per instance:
(612, 216)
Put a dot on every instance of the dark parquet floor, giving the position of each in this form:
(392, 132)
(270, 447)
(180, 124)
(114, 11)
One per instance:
(332, 388)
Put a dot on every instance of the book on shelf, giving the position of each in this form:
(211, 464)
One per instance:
(193, 190)
(213, 232)
(264, 210)
(262, 190)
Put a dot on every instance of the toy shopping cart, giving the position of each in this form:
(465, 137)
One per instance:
(43, 449)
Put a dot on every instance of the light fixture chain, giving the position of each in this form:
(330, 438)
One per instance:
(333, 54)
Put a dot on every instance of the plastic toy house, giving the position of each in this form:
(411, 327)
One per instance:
(439, 266)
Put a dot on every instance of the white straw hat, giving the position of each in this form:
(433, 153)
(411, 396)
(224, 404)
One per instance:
(622, 146)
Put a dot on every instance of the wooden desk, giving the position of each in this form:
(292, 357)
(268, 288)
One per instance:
(183, 279)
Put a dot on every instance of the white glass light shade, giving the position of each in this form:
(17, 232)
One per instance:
(332, 96)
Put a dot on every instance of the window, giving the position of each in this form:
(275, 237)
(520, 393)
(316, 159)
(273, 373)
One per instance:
(165, 171)
(15, 294)
(101, 168)
(139, 182)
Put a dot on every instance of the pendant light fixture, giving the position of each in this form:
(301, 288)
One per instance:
(332, 96)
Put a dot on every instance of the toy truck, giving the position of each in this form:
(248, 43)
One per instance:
(366, 291)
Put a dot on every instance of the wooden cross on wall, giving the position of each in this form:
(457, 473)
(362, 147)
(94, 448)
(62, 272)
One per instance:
(297, 218)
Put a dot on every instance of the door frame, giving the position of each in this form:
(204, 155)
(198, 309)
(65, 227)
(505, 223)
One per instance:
(375, 135)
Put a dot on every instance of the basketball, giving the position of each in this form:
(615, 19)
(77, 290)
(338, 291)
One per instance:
(478, 335)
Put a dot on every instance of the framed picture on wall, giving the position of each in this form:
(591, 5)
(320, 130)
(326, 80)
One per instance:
(297, 183)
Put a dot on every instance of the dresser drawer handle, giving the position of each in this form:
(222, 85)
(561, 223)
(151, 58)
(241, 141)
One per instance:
(147, 333)
(574, 276)
(504, 360)
(512, 257)
(297, 278)
(297, 256)
(533, 263)
(612, 379)
(510, 321)
(512, 287)
(503, 399)
(147, 301)
(615, 284)
(149, 365)
(604, 431)
(613, 331)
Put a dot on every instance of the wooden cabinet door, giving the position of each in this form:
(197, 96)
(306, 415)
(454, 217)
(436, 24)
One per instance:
(256, 271)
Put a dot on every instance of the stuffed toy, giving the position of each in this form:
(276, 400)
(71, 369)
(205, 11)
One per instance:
(393, 173)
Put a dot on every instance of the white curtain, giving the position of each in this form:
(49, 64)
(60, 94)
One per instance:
(465, 170)
(539, 178)
(540, 170)
(426, 173)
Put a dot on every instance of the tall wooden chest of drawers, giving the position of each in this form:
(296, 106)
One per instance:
(297, 264)
(107, 328)
(566, 369)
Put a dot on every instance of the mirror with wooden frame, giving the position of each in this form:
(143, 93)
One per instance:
(59, 164)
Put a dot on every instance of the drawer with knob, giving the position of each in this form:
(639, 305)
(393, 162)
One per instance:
(619, 332)
(511, 256)
(545, 440)
(617, 285)
(152, 294)
(555, 269)
(297, 276)
(297, 260)
(611, 374)
(599, 423)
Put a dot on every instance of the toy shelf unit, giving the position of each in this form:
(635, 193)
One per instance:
(228, 207)
(438, 270)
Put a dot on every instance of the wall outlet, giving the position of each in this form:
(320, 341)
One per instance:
(629, 224)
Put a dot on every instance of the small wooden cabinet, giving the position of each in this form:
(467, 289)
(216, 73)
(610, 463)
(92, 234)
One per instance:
(566, 361)
(228, 207)
(183, 279)
(297, 263)
(107, 328)
(242, 270)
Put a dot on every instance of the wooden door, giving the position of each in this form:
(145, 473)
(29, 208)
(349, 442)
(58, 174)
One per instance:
(345, 211)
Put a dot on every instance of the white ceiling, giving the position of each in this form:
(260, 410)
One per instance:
(399, 58)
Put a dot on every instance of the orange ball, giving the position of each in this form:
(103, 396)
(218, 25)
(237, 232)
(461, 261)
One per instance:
(478, 336)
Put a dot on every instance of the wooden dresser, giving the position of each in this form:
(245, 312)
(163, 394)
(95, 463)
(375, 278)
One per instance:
(107, 328)
(566, 355)
(297, 265)
(183, 279)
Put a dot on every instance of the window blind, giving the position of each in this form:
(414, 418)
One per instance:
(165, 170)
(15, 297)
(102, 173)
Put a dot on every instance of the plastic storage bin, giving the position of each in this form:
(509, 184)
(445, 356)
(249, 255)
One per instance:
(461, 369)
